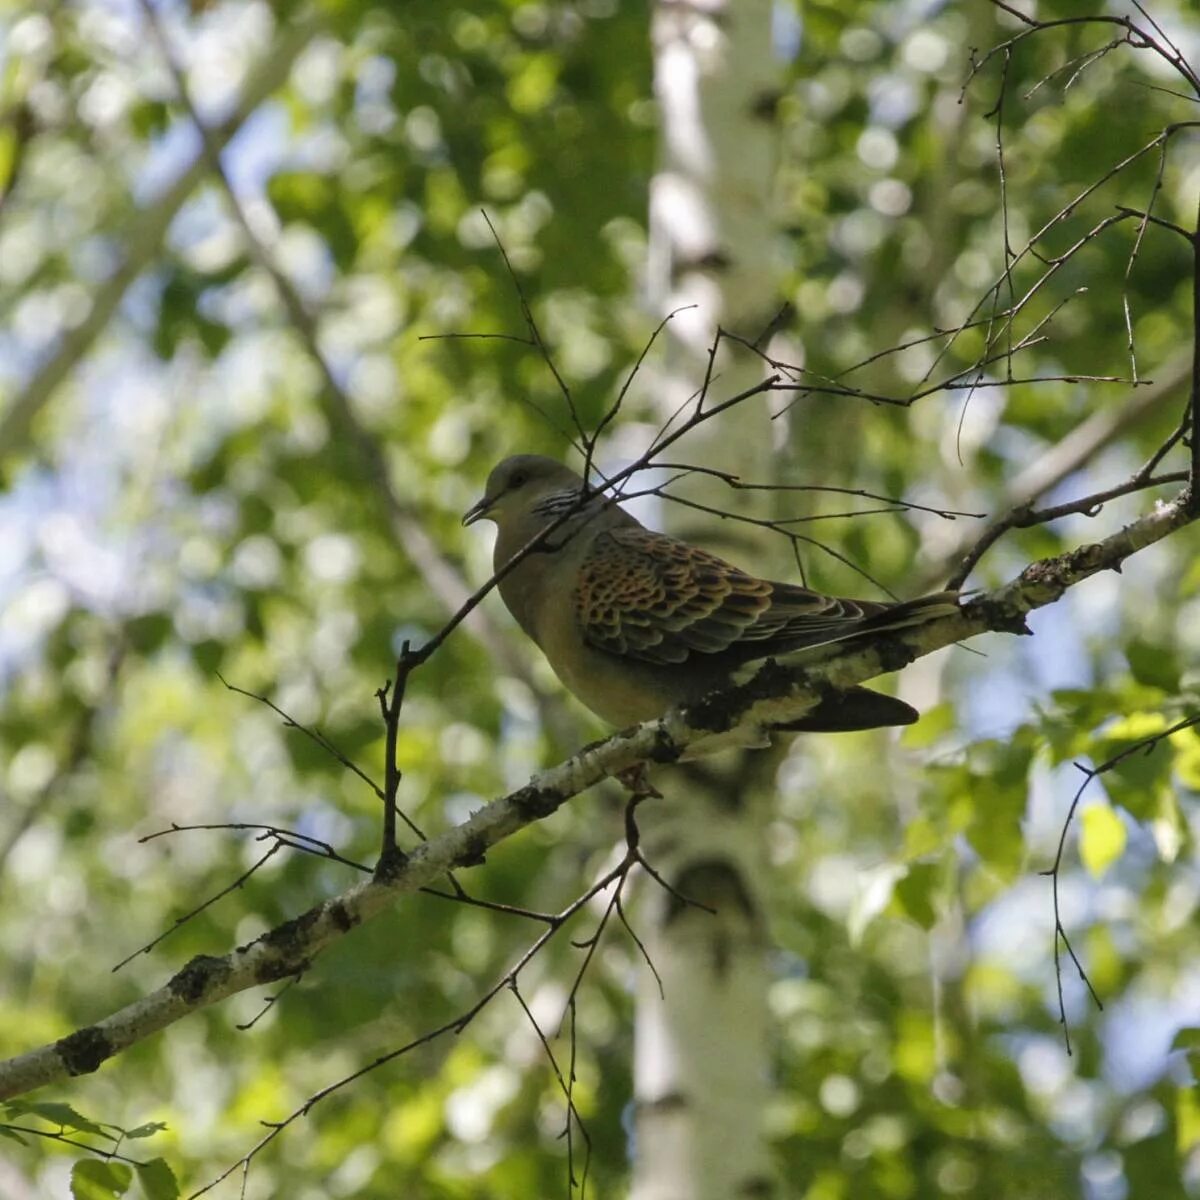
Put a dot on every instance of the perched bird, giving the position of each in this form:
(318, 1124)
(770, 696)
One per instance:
(634, 621)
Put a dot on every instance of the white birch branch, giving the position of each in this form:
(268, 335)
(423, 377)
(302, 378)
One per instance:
(777, 694)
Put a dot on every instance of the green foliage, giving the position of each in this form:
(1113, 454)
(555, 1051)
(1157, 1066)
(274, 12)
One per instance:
(157, 1180)
(57, 1125)
(92, 1179)
(96, 1179)
(192, 504)
(53, 1113)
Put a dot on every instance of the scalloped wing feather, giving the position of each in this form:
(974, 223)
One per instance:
(647, 596)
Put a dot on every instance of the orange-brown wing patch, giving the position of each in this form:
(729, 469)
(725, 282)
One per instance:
(651, 597)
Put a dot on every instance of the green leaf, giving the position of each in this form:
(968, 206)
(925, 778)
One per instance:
(874, 895)
(1189, 585)
(1187, 1039)
(209, 654)
(94, 1179)
(1155, 665)
(1102, 839)
(994, 796)
(1187, 765)
(1187, 1118)
(147, 1130)
(5, 1131)
(157, 1180)
(315, 199)
(1135, 782)
(56, 1113)
(916, 893)
(149, 117)
(146, 634)
(180, 318)
(8, 154)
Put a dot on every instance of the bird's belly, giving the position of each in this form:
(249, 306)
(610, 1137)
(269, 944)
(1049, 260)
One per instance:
(619, 691)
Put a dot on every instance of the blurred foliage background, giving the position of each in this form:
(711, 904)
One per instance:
(188, 500)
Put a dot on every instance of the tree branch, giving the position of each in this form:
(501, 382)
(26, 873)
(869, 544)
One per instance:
(777, 694)
(1101, 429)
(147, 228)
(441, 576)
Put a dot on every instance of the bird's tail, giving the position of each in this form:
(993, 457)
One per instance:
(859, 707)
(855, 708)
(875, 618)
(910, 612)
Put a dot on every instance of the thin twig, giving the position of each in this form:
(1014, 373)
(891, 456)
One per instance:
(1143, 746)
(195, 912)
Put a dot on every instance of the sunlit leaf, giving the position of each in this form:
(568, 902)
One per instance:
(1152, 664)
(1187, 1118)
(56, 1113)
(916, 893)
(157, 1180)
(1188, 1038)
(95, 1179)
(1101, 838)
(147, 1130)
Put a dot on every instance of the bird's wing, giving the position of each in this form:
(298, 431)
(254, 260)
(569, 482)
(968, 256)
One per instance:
(650, 597)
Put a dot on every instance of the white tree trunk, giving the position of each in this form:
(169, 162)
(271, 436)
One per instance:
(702, 1068)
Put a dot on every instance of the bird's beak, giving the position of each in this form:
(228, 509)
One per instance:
(477, 511)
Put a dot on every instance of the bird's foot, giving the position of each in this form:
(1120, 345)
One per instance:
(636, 780)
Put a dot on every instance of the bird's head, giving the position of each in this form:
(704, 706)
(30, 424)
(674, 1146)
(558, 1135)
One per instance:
(524, 486)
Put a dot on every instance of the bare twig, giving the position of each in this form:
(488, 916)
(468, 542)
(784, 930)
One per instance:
(290, 838)
(778, 695)
(1143, 746)
(1025, 517)
(269, 1003)
(1101, 429)
(310, 732)
(509, 980)
(232, 887)
(442, 578)
(391, 701)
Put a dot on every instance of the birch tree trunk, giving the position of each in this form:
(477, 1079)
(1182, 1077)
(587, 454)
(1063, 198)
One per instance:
(702, 1067)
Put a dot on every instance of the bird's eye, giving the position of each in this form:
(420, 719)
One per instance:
(518, 479)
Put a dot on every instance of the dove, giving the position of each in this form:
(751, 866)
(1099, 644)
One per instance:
(634, 622)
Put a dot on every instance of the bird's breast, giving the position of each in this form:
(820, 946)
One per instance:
(619, 690)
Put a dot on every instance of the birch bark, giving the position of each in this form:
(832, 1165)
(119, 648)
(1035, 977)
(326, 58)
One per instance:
(702, 1067)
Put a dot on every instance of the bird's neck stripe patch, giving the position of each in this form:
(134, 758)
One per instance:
(557, 502)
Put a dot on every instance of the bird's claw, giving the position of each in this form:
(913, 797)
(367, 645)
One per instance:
(636, 780)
